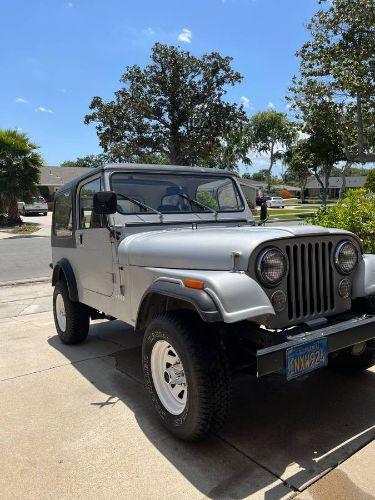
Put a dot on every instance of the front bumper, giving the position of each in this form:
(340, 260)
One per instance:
(36, 210)
(345, 334)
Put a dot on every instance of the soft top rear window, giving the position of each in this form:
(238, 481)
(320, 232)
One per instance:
(175, 193)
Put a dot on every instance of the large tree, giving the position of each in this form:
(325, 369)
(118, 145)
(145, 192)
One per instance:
(271, 132)
(173, 110)
(318, 153)
(337, 74)
(19, 170)
(301, 164)
(90, 161)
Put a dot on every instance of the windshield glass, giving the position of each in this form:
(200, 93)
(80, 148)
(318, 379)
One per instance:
(175, 193)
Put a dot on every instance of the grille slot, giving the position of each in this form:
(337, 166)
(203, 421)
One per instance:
(310, 279)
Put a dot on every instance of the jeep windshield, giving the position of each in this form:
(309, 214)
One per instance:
(175, 193)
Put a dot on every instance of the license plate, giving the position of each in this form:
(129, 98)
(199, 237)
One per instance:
(305, 358)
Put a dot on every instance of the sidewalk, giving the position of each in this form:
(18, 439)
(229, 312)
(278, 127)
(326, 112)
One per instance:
(77, 423)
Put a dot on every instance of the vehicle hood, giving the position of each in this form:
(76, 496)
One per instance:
(205, 248)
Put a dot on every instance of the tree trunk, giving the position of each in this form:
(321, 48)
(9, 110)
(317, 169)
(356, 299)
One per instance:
(361, 138)
(303, 187)
(13, 215)
(269, 173)
(343, 179)
(326, 185)
(3, 208)
(323, 188)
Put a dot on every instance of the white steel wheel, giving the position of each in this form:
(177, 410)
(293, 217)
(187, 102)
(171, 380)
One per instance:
(60, 312)
(168, 377)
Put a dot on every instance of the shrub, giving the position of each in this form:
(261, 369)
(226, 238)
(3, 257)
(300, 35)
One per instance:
(252, 206)
(370, 181)
(284, 193)
(355, 213)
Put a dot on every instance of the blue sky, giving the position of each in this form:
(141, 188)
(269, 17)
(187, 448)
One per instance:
(58, 54)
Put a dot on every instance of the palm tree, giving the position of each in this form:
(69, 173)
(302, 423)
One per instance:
(19, 170)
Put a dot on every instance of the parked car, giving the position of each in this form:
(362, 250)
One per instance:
(275, 202)
(175, 252)
(38, 205)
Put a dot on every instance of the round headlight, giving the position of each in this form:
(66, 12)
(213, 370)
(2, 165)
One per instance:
(272, 266)
(346, 257)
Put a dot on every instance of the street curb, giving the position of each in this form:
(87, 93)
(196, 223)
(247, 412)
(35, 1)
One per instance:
(29, 281)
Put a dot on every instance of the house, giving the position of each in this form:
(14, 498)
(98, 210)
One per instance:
(334, 185)
(249, 189)
(252, 188)
(53, 178)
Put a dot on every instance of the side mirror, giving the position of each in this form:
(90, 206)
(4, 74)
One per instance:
(105, 202)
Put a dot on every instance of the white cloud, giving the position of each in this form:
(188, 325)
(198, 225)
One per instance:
(69, 5)
(21, 100)
(185, 36)
(270, 105)
(245, 101)
(149, 31)
(42, 109)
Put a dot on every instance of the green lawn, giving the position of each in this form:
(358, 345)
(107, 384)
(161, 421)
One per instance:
(292, 214)
(292, 211)
(24, 229)
(308, 201)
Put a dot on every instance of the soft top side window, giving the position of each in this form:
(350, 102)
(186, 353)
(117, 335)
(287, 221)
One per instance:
(88, 219)
(62, 217)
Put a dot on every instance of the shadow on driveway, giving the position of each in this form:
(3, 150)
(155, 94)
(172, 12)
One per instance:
(295, 430)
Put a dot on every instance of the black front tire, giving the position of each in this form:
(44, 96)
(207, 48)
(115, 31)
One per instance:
(206, 369)
(76, 314)
(346, 362)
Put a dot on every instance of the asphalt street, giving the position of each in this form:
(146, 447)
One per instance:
(24, 258)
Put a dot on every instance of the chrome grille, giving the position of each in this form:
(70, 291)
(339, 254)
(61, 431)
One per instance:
(310, 286)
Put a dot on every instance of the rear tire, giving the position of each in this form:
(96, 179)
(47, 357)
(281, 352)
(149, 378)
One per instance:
(178, 347)
(72, 319)
(346, 362)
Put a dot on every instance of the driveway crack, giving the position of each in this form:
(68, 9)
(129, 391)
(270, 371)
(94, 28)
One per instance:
(285, 483)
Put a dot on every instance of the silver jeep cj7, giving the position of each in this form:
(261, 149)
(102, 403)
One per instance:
(175, 252)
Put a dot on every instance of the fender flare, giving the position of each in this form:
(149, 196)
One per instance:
(202, 302)
(64, 266)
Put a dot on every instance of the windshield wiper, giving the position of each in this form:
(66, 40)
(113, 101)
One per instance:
(142, 205)
(198, 203)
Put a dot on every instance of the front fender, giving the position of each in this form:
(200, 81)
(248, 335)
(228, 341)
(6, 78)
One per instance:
(236, 295)
(63, 267)
(364, 279)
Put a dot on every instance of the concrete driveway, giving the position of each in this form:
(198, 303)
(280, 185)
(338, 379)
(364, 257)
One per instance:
(76, 423)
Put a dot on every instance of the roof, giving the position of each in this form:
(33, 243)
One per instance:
(263, 184)
(58, 176)
(73, 175)
(336, 182)
(288, 187)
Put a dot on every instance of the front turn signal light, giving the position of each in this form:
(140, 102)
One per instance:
(198, 285)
